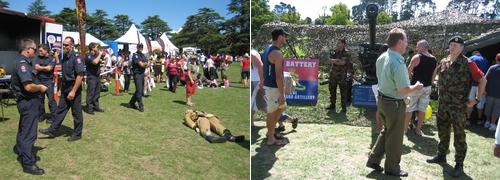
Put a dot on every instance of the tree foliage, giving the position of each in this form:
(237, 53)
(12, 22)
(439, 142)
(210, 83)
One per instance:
(287, 13)
(37, 8)
(122, 23)
(67, 17)
(153, 27)
(340, 15)
(4, 4)
(383, 18)
(261, 14)
(237, 28)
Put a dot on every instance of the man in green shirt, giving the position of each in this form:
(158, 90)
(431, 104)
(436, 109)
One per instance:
(408, 59)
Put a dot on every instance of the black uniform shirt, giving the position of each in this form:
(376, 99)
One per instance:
(72, 64)
(136, 58)
(24, 72)
(46, 61)
(92, 69)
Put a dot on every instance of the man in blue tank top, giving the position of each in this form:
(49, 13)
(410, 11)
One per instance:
(273, 84)
(422, 68)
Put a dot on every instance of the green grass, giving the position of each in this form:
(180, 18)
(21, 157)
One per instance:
(335, 145)
(123, 143)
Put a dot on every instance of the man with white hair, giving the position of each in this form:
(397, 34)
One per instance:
(422, 68)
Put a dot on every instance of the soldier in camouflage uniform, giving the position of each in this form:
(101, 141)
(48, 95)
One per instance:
(341, 62)
(456, 73)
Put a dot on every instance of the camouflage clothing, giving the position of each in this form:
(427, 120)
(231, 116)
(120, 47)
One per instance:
(338, 76)
(454, 85)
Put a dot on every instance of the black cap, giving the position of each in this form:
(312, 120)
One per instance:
(140, 45)
(278, 31)
(457, 39)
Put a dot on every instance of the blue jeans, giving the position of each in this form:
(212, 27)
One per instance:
(283, 117)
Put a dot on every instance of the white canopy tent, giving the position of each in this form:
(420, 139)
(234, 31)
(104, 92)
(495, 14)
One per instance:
(88, 38)
(132, 37)
(169, 46)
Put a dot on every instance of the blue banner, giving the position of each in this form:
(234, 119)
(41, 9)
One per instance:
(304, 73)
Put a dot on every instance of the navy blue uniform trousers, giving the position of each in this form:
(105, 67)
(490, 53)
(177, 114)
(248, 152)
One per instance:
(93, 91)
(50, 95)
(62, 110)
(139, 87)
(27, 131)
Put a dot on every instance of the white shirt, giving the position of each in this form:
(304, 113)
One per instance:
(209, 63)
(497, 135)
(108, 64)
(254, 73)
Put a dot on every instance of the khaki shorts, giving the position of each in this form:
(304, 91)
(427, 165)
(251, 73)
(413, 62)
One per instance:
(472, 96)
(419, 100)
(272, 96)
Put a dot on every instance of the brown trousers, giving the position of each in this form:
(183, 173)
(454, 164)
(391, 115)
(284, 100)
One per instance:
(211, 124)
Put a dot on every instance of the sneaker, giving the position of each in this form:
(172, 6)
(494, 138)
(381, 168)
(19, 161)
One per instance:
(493, 127)
(487, 124)
(467, 122)
(480, 122)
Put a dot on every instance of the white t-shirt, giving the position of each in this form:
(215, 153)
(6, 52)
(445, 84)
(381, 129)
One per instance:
(209, 63)
(108, 64)
(254, 73)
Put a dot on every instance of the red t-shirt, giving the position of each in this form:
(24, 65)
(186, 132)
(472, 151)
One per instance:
(246, 63)
(476, 73)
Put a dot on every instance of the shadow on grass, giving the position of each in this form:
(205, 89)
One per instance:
(179, 102)
(264, 160)
(64, 131)
(245, 144)
(3, 119)
(447, 168)
(380, 175)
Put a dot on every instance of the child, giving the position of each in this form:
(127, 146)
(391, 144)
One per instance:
(202, 81)
(225, 82)
(213, 82)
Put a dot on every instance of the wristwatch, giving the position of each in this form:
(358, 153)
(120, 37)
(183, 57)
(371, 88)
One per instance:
(477, 101)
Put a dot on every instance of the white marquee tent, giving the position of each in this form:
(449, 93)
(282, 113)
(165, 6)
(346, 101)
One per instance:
(169, 47)
(132, 37)
(88, 38)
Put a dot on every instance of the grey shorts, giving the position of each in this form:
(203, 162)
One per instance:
(257, 102)
(492, 108)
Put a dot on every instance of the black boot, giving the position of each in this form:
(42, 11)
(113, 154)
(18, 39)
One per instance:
(232, 138)
(458, 170)
(212, 139)
(437, 159)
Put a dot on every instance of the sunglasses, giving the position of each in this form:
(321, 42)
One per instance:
(34, 49)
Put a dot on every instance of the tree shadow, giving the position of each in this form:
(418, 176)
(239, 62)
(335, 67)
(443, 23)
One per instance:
(255, 133)
(264, 160)
(447, 170)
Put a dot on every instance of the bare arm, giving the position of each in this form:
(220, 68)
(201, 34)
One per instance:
(277, 57)
(32, 87)
(415, 60)
(42, 68)
(97, 59)
(257, 63)
(434, 73)
(480, 87)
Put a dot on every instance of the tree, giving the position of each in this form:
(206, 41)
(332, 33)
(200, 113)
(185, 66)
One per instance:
(202, 30)
(260, 15)
(153, 27)
(122, 23)
(287, 13)
(321, 20)
(37, 8)
(383, 18)
(308, 20)
(4, 4)
(67, 17)
(100, 26)
(237, 28)
(340, 15)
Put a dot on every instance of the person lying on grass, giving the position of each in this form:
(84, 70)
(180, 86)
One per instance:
(205, 123)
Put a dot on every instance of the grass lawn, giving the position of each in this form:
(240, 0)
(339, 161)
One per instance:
(335, 145)
(123, 143)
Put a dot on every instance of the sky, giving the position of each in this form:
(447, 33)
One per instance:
(313, 10)
(175, 13)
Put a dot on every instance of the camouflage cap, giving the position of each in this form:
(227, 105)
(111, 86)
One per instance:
(457, 39)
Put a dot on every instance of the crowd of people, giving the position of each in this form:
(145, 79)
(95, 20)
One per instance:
(404, 87)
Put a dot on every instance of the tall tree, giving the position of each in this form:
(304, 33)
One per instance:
(4, 4)
(100, 25)
(237, 28)
(340, 15)
(260, 15)
(383, 18)
(416, 8)
(287, 13)
(37, 8)
(321, 20)
(67, 17)
(202, 30)
(154, 26)
(122, 23)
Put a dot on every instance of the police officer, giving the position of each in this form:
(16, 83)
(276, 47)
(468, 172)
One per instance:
(70, 92)
(456, 74)
(28, 90)
(340, 60)
(139, 65)
(44, 65)
(93, 64)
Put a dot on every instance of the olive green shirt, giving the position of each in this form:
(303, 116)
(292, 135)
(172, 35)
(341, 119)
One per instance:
(392, 74)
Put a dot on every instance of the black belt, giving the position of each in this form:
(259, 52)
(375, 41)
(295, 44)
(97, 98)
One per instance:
(387, 98)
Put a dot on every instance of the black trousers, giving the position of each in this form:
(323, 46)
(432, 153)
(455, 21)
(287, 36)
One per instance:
(139, 87)
(172, 82)
(126, 78)
(50, 95)
(93, 91)
(27, 130)
(64, 105)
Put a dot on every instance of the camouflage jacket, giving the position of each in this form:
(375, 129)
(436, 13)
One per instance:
(455, 80)
(344, 55)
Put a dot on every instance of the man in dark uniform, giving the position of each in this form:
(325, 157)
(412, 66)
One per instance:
(340, 60)
(70, 92)
(27, 89)
(44, 65)
(456, 74)
(93, 64)
(139, 64)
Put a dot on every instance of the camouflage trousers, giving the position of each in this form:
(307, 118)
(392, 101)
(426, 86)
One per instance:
(452, 115)
(338, 79)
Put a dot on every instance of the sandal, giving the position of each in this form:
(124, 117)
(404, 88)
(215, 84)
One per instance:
(419, 134)
(295, 122)
(277, 143)
(278, 136)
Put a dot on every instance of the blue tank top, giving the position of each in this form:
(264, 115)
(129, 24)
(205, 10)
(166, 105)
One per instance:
(269, 68)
